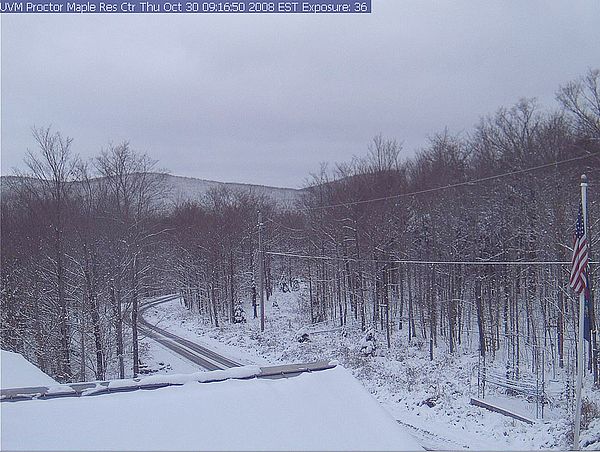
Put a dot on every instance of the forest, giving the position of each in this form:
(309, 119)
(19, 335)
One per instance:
(466, 241)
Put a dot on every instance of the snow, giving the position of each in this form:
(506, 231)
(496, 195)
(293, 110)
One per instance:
(167, 316)
(401, 378)
(322, 410)
(163, 360)
(181, 379)
(17, 372)
(60, 389)
(97, 389)
(590, 438)
(125, 383)
(181, 188)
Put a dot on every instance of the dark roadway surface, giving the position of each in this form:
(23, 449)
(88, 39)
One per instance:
(202, 356)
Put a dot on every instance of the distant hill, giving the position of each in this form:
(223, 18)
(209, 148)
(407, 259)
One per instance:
(179, 189)
(189, 188)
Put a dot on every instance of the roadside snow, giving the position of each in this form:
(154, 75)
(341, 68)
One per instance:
(322, 410)
(60, 389)
(182, 379)
(403, 378)
(213, 375)
(17, 372)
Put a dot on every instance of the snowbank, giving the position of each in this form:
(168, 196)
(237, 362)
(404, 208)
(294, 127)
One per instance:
(17, 372)
(322, 410)
(181, 379)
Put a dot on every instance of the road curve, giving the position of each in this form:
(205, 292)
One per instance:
(189, 350)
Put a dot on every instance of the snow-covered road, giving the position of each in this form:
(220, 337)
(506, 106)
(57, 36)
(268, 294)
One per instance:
(197, 354)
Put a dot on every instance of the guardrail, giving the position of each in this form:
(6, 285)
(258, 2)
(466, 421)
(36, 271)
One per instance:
(96, 388)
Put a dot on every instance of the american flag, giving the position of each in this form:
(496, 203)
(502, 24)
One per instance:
(579, 262)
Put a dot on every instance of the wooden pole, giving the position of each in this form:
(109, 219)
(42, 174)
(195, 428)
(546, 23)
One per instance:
(261, 259)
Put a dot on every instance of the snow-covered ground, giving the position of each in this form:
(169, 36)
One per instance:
(322, 410)
(17, 372)
(403, 378)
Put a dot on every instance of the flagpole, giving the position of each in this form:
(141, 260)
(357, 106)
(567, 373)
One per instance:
(580, 344)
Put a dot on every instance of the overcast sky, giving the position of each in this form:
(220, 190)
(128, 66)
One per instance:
(265, 98)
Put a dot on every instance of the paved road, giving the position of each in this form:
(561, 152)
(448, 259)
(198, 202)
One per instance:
(202, 356)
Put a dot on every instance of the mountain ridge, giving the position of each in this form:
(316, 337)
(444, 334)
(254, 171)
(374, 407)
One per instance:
(185, 188)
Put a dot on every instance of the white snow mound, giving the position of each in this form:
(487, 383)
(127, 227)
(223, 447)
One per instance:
(17, 372)
(321, 410)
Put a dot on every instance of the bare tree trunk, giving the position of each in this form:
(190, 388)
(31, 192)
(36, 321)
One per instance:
(360, 284)
(254, 293)
(214, 302)
(386, 302)
(134, 317)
(65, 363)
(116, 302)
(412, 333)
(451, 311)
(431, 308)
(310, 295)
(231, 293)
(400, 281)
(89, 271)
(100, 373)
(480, 320)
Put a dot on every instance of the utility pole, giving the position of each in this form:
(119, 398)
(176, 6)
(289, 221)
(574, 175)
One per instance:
(261, 269)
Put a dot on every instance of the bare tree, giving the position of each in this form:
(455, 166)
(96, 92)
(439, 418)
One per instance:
(581, 98)
(135, 192)
(51, 177)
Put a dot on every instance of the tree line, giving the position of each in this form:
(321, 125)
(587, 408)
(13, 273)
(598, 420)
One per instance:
(383, 241)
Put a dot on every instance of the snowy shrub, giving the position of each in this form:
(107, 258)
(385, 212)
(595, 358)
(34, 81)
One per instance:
(433, 399)
(590, 439)
(589, 412)
(368, 345)
(418, 343)
(302, 336)
(430, 401)
(239, 316)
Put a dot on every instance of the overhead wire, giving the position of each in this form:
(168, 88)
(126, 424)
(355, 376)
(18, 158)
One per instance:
(445, 187)
(413, 261)
(429, 190)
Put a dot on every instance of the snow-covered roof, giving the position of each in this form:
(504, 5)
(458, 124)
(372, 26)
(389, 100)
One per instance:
(17, 372)
(320, 410)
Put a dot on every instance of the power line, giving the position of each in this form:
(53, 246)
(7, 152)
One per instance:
(445, 187)
(418, 262)
(283, 225)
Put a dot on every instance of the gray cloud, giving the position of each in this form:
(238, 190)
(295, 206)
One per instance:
(264, 99)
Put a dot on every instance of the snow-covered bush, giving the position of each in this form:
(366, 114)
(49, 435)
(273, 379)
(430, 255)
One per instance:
(590, 438)
(302, 335)
(368, 344)
(239, 316)
(589, 412)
